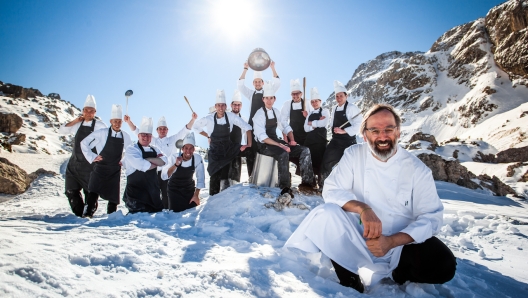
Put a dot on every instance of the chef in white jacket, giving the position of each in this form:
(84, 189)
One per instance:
(344, 125)
(183, 191)
(106, 174)
(79, 169)
(142, 192)
(381, 213)
(167, 145)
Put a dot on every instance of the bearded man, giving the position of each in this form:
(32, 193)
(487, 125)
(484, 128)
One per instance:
(381, 213)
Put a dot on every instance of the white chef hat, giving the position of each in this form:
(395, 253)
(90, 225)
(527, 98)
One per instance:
(220, 96)
(162, 122)
(90, 102)
(117, 112)
(268, 89)
(189, 139)
(146, 125)
(237, 97)
(295, 85)
(339, 87)
(314, 93)
(257, 75)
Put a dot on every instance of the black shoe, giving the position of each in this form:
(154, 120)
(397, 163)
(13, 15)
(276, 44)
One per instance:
(89, 209)
(287, 190)
(353, 282)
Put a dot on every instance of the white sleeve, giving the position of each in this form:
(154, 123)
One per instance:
(238, 121)
(276, 83)
(66, 130)
(324, 122)
(338, 186)
(180, 135)
(355, 123)
(88, 143)
(165, 169)
(307, 128)
(259, 126)
(127, 141)
(427, 207)
(158, 152)
(199, 125)
(135, 159)
(99, 125)
(248, 93)
(285, 111)
(200, 171)
(283, 124)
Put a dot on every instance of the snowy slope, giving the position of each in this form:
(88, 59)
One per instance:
(231, 246)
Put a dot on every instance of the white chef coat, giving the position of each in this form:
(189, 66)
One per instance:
(317, 123)
(259, 123)
(208, 123)
(134, 159)
(167, 145)
(66, 130)
(198, 166)
(248, 92)
(286, 108)
(352, 110)
(98, 139)
(400, 191)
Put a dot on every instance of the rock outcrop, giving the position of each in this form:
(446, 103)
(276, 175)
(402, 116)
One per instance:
(448, 170)
(419, 136)
(16, 91)
(13, 179)
(10, 123)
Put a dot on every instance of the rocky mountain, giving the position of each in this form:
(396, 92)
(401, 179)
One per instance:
(471, 87)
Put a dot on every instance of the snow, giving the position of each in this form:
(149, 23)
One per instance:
(231, 246)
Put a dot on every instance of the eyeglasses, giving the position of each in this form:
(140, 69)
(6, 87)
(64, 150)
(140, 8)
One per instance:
(296, 93)
(389, 130)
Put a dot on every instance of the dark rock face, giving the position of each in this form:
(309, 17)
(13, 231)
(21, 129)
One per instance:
(495, 185)
(13, 179)
(419, 136)
(54, 95)
(19, 91)
(449, 171)
(10, 123)
(513, 155)
(507, 25)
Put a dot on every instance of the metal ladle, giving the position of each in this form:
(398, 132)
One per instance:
(179, 144)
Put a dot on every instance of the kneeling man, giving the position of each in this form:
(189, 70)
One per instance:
(182, 191)
(142, 192)
(381, 213)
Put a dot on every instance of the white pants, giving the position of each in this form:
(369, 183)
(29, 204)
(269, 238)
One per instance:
(338, 234)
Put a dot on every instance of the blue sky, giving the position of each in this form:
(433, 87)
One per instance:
(163, 50)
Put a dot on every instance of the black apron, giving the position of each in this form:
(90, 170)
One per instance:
(297, 124)
(236, 165)
(340, 118)
(142, 192)
(256, 104)
(106, 175)
(78, 169)
(181, 188)
(221, 150)
(316, 141)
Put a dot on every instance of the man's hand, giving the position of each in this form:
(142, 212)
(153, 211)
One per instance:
(98, 158)
(179, 161)
(305, 114)
(322, 118)
(194, 116)
(272, 64)
(380, 246)
(371, 223)
(286, 148)
(246, 64)
(195, 199)
(243, 147)
(292, 143)
(79, 119)
(152, 166)
(120, 164)
(339, 131)
(127, 119)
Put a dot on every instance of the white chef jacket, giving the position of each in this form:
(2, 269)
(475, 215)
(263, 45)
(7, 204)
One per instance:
(286, 108)
(98, 139)
(66, 130)
(317, 123)
(259, 123)
(248, 92)
(352, 110)
(198, 166)
(167, 145)
(208, 123)
(134, 159)
(400, 191)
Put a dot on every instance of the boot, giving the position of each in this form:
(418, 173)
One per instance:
(90, 206)
(224, 184)
(348, 279)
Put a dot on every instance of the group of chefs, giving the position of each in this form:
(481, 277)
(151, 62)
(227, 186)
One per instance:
(382, 209)
(160, 175)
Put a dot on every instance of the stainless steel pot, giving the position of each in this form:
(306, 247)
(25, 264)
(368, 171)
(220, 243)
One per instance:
(259, 60)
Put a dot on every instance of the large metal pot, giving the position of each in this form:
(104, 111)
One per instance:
(259, 60)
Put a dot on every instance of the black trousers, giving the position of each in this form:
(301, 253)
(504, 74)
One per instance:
(76, 200)
(214, 180)
(282, 157)
(163, 187)
(430, 262)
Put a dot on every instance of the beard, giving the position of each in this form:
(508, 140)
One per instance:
(387, 151)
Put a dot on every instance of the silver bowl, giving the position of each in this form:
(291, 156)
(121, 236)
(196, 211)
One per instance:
(259, 60)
